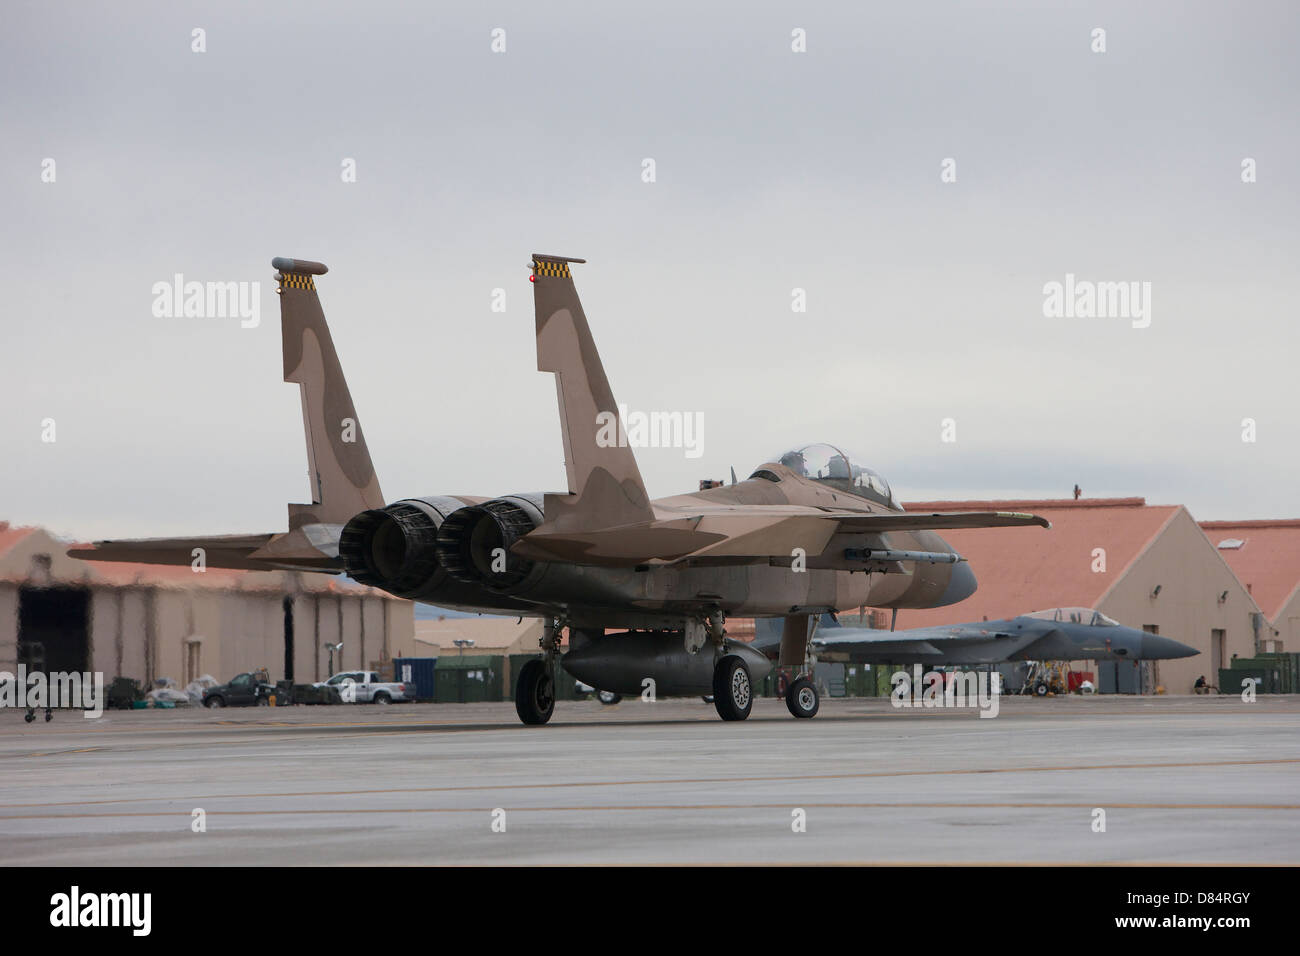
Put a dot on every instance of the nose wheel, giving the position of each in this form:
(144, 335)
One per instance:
(802, 699)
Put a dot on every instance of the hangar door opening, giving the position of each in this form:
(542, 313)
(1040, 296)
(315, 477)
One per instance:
(288, 638)
(54, 629)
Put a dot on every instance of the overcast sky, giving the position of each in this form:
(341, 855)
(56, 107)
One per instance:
(774, 170)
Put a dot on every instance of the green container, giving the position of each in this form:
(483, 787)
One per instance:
(1230, 680)
(1274, 669)
(468, 679)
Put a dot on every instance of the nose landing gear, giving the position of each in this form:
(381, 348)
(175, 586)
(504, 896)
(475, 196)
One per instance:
(801, 698)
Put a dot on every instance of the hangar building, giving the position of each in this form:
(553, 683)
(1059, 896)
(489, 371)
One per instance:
(1266, 557)
(141, 621)
(1147, 566)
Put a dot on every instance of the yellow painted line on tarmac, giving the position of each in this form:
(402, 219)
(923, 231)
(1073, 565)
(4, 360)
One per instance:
(55, 753)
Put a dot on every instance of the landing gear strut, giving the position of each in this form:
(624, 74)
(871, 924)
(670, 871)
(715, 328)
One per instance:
(801, 697)
(535, 689)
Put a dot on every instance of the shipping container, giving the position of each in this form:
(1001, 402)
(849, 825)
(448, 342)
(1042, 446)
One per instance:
(467, 679)
(418, 672)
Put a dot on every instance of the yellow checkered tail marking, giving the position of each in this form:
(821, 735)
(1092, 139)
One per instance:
(294, 280)
(551, 270)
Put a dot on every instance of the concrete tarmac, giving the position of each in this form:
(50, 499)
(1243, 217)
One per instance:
(1182, 780)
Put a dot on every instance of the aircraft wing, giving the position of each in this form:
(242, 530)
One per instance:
(955, 644)
(938, 521)
(750, 535)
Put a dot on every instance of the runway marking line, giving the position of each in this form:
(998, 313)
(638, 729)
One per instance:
(55, 753)
(616, 808)
(1175, 709)
(665, 782)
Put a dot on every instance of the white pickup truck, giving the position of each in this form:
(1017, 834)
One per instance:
(364, 687)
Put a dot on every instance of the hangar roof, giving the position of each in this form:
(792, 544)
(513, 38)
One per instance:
(488, 633)
(1267, 560)
(10, 536)
(1022, 570)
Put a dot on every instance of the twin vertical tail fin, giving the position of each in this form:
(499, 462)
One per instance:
(605, 486)
(343, 481)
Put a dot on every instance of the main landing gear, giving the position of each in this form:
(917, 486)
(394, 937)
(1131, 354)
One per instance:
(733, 688)
(535, 693)
(733, 692)
(535, 689)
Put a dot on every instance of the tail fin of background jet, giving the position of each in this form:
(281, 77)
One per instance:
(343, 481)
(605, 486)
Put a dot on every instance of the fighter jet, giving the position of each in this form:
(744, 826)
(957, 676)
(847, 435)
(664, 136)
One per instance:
(1060, 634)
(810, 531)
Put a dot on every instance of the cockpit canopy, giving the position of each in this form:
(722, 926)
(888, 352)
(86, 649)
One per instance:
(1076, 615)
(830, 466)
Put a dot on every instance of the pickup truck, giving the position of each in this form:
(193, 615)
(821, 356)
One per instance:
(246, 690)
(364, 687)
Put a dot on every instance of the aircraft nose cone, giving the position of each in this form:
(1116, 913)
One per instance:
(961, 585)
(1155, 647)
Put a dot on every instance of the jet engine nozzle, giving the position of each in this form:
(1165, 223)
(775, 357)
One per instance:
(394, 548)
(474, 543)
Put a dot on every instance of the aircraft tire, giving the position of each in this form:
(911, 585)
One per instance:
(1041, 689)
(733, 691)
(535, 693)
(802, 698)
(608, 697)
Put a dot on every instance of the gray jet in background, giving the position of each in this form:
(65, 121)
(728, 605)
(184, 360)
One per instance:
(1061, 634)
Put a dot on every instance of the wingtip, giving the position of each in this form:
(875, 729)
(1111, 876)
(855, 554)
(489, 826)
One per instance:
(1027, 518)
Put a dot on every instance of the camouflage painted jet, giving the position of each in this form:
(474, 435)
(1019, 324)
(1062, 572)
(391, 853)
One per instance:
(1060, 634)
(808, 532)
